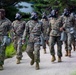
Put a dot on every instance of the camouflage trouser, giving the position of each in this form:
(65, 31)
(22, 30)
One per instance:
(2, 51)
(52, 41)
(44, 40)
(68, 42)
(18, 46)
(33, 50)
(74, 44)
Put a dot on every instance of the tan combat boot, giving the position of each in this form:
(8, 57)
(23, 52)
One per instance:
(1, 67)
(69, 53)
(45, 51)
(37, 66)
(53, 59)
(66, 54)
(18, 61)
(59, 59)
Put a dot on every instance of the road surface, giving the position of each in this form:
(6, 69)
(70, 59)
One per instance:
(66, 67)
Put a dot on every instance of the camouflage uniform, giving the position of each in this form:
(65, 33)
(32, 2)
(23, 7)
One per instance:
(68, 23)
(74, 34)
(55, 24)
(45, 32)
(33, 31)
(18, 29)
(5, 26)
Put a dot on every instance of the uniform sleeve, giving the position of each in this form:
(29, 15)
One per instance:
(26, 30)
(74, 21)
(7, 25)
(48, 30)
(42, 29)
(60, 21)
(24, 25)
(10, 26)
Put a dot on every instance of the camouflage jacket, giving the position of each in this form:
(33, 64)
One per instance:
(68, 21)
(18, 27)
(33, 30)
(46, 27)
(55, 24)
(5, 26)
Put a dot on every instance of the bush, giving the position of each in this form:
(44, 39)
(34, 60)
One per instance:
(10, 51)
(10, 12)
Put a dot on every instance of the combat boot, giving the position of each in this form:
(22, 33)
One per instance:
(45, 51)
(20, 58)
(66, 54)
(69, 53)
(37, 66)
(1, 67)
(32, 62)
(18, 61)
(53, 58)
(74, 47)
(59, 59)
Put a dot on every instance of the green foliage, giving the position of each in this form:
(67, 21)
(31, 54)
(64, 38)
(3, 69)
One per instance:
(10, 12)
(6, 3)
(47, 5)
(10, 51)
(24, 47)
(73, 73)
(25, 16)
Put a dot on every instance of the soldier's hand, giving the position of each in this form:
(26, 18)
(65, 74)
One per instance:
(61, 29)
(14, 37)
(23, 41)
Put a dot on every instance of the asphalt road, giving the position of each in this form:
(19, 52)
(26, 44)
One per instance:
(66, 67)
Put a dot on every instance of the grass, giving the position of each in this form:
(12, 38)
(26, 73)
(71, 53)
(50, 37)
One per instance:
(73, 73)
(10, 51)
